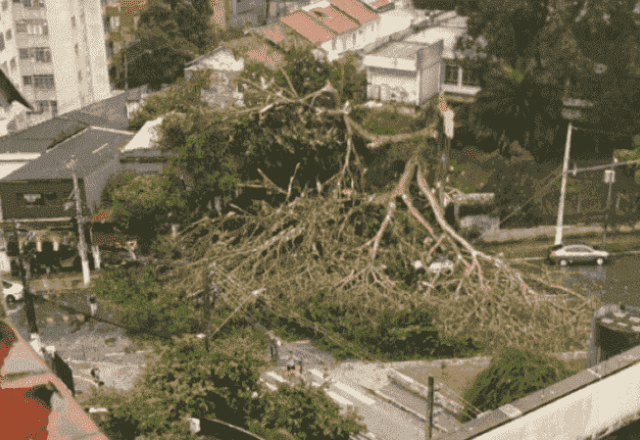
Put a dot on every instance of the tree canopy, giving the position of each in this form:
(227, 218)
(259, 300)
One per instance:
(537, 53)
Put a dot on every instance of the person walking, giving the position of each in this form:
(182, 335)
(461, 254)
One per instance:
(93, 305)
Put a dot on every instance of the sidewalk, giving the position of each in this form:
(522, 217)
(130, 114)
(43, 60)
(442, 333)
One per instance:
(506, 235)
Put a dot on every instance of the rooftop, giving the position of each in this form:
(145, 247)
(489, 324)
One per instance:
(434, 34)
(39, 400)
(93, 148)
(331, 17)
(400, 49)
(303, 24)
(361, 13)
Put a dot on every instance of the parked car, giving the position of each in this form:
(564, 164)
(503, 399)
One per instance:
(12, 291)
(441, 265)
(565, 254)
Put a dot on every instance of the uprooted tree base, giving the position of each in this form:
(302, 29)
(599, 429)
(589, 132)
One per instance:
(360, 250)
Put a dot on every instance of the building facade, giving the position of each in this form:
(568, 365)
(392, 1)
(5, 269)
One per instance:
(53, 51)
(404, 72)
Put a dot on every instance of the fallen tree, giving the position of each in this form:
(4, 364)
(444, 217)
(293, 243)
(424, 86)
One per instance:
(358, 248)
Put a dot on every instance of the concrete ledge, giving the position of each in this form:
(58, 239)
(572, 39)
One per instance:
(538, 400)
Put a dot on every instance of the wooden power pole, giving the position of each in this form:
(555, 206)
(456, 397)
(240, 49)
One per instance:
(430, 409)
(82, 244)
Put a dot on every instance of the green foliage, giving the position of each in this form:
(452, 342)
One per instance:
(166, 38)
(144, 305)
(187, 381)
(388, 122)
(305, 412)
(144, 205)
(512, 375)
(403, 335)
(181, 97)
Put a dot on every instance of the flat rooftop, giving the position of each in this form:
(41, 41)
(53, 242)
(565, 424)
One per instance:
(399, 49)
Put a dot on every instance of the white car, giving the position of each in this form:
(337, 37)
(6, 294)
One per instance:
(11, 291)
(443, 265)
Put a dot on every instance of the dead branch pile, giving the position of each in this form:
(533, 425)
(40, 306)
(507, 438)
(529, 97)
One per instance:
(319, 242)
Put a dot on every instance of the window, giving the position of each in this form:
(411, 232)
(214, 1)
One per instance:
(54, 107)
(21, 28)
(43, 106)
(5, 5)
(470, 77)
(13, 64)
(451, 74)
(26, 80)
(9, 35)
(1, 41)
(32, 199)
(76, 47)
(27, 3)
(354, 39)
(43, 81)
(73, 22)
(334, 44)
(24, 54)
(79, 75)
(43, 54)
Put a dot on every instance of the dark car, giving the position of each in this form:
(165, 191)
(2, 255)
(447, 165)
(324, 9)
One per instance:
(565, 254)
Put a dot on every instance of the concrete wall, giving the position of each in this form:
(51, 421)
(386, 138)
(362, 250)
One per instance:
(393, 82)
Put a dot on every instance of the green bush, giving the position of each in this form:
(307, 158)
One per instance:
(512, 375)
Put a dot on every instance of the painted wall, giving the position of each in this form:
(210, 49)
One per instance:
(579, 415)
(16, 208)
(393, 82)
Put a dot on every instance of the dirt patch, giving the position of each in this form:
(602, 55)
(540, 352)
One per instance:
(459, 378)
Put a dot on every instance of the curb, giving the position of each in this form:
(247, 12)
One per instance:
(400, 406)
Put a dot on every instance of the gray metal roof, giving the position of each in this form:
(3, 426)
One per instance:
(93, 149)
(38, 138)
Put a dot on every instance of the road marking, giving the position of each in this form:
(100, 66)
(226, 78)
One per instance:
(355, 393)
(275, 376)
(317, 373)
(271, 387)
(338, 398)
(510, 411)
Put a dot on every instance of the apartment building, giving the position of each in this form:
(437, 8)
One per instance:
(53, 51)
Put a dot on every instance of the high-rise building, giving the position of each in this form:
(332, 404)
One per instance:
(54, 52)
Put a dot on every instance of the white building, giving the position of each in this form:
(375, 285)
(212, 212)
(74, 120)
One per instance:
(406, 72)
(54, 53)
(336, 26)
(455, 79)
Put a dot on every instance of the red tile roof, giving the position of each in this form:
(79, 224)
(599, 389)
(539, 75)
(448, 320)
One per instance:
(379, 3)
(355, 9)
(333, 19)
(305, 26)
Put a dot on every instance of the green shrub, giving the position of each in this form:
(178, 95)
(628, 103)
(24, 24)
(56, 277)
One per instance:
(512, 375)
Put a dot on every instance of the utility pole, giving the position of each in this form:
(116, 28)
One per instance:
(563, 187)
(430, 409)
(610, 177)
(126, 82)
(82, 245)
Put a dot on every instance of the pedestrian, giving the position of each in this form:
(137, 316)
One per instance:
(93, 305)
(95, 373)
(291, 363)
